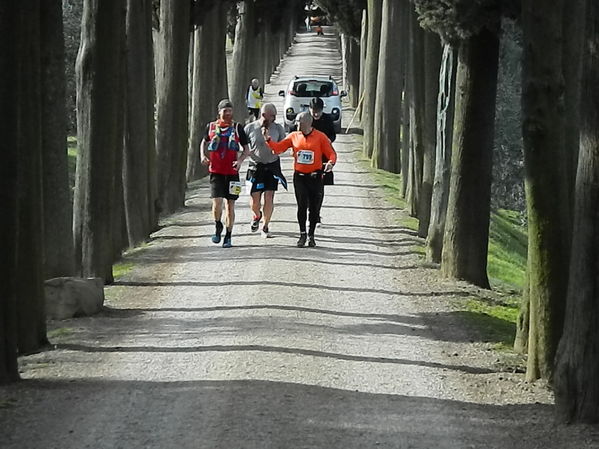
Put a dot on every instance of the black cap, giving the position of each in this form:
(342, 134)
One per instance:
(317, 103)
(224, 103)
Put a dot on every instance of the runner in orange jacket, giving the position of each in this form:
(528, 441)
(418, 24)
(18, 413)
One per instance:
(308, 145)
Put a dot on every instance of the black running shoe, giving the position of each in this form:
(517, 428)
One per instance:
(301, 242)
(311, 241)
(256, 223)
(217, 232)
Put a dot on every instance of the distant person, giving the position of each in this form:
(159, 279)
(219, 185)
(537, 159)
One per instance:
(308, 145)
(221, 149)
(254, 97)
(307, 21)
(264, 172)
(323, 122)
(319, 30)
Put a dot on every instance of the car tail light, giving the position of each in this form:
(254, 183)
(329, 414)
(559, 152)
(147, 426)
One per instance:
(335, 92)
(292, 92)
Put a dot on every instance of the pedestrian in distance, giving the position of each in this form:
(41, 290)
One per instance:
(264, 172)
(254, 97)
(308, 145)
(323, 122)
(224, 148)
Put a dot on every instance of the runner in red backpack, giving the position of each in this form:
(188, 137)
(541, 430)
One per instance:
(221, 150)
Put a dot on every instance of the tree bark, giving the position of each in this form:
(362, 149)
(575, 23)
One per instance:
(440, 195)
(386, 137)
(205, 93)
(98, 87)
(432, 62)
(172, 105)
(30, 269)
(577, 367)
(363, 49)
(466, 238)
(139, 138)
(240, 73)
(9, 147)
(416, 87)
(573, 23)
(58, 208)
(352, 61)
(370, 73)
(546, 190)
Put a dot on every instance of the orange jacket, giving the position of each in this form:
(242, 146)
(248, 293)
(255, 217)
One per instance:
(307, 150)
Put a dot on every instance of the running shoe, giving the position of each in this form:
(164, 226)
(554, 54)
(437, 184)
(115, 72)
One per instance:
(266, 233)
(256, 222)
(227, 242)
(301, 242)
(218, 231)
(311, 241)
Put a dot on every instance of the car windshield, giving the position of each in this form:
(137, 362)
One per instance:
(312, 88)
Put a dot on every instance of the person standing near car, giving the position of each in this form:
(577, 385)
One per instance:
(254, 97)
(308, 145)
(220, 149)
(323, 122)
(264, 172)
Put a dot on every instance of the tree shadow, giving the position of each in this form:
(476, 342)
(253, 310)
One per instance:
(258, 414)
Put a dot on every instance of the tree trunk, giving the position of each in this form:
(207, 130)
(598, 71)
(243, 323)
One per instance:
(523, 320)
(244, 32)
(31, 316)
(573, 23)
(416, 87)
(432, 60)
(172, 106)
(577, 367)
(370, 73)
(219, 41)
(98, 70)
(353, 70)
(363, 49)
(405, 133)
(205, 93)
(58, 208)
(387, 127)
(139, 139)
(466, 236)
(543, 136)
(10, 24)
(440, 195)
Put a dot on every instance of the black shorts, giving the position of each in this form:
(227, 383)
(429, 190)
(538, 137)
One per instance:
(262, 178)
(219, 186)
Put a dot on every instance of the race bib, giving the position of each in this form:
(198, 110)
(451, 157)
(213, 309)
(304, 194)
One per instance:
(305, 157)
(234, 188)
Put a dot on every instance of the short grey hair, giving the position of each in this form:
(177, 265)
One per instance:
(305, 117)
(269, 107)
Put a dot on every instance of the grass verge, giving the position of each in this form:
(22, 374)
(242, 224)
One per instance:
(121, 268)
(506, 264)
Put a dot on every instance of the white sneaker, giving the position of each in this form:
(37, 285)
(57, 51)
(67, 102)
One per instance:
(266, 233)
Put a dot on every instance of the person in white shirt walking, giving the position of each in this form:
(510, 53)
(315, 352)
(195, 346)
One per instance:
(254, 97)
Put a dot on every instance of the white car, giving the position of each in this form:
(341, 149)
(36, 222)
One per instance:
(302, 89)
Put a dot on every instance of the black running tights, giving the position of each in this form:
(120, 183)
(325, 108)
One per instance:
(308, 194)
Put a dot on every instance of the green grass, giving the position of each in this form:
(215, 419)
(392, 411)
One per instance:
(495, 323)
(72, 161)
(60, 332)
(507, 250)
(121, 268)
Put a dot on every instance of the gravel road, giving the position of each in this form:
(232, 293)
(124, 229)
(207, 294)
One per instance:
(353, 344)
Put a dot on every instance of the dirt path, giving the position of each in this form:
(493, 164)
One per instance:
(353, 344)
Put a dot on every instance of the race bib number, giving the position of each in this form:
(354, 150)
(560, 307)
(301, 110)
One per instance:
(305, 157)
(234, 187)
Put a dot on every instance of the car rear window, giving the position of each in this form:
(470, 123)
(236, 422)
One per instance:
(312, 88)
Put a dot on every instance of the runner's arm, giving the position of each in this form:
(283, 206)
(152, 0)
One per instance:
(280, 147)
